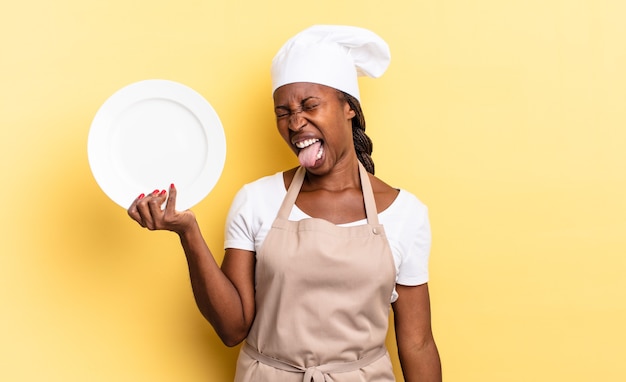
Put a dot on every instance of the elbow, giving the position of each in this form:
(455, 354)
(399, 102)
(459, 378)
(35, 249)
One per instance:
(232, 329)
(416, 343)
(232, 336)
(232, 340)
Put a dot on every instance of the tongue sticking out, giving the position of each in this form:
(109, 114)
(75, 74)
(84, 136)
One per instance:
(308, 155)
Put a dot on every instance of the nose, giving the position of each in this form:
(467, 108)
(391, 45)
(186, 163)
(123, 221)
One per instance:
(296, 121)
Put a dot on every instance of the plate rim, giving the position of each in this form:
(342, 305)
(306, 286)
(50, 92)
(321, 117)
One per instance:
(121, 100)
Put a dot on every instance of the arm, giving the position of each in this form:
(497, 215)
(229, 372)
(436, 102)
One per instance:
(224, 296)
(417, 350)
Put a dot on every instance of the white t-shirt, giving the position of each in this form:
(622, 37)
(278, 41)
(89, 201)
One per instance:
(406, 225)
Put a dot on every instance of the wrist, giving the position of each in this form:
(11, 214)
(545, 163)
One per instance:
(189, 230)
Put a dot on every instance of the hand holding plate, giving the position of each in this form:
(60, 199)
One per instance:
(148, 212)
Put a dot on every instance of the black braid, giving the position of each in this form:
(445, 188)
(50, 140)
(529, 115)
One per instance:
(362, 143)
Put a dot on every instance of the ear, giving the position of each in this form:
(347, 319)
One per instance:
(348, 111)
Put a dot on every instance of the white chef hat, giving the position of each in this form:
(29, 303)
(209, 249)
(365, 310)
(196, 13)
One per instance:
(331, 55)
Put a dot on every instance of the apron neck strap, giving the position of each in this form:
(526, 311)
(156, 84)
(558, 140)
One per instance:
(292, 193)
(368, 197)
(298, 180)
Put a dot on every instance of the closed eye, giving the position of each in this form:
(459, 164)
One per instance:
(282, 112)
(308, 104)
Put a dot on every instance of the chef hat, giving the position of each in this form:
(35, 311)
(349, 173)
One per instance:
(331, 55)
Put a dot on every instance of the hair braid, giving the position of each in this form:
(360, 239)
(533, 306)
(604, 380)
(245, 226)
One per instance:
(362, 143)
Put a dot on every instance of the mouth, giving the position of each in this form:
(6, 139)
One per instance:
(310, 151)
(306, 143)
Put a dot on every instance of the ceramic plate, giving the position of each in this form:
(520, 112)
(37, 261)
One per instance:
(152, 133)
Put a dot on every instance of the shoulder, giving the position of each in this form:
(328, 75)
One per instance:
(408, 204)
(407, 223)
(254, 204)
(396, 196)
(406, 211)
(384, 194)
(254, 196)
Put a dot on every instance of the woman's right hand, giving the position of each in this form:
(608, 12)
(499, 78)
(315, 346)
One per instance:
(147, 211)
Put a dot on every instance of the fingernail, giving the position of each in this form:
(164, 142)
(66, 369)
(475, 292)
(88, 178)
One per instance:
(141, 196)
(172, 185)
(155, 192)
(163, 192)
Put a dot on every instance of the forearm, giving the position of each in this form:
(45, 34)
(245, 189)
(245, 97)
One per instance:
(217, 298)
(417, 350)
(420, 362)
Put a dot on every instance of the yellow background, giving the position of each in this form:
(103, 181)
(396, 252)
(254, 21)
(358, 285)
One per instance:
(507, 118)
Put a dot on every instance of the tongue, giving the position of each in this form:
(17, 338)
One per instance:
(308, 156)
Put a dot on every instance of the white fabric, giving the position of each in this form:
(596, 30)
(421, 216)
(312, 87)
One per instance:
(406, 224)
(331, 55)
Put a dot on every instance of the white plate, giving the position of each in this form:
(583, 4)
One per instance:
(151, 134)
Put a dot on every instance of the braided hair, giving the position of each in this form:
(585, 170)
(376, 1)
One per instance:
(362, 143)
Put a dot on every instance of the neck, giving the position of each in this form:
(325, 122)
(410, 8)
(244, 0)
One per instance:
(343, 176)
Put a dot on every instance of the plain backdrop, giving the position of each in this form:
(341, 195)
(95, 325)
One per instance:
(507, 118)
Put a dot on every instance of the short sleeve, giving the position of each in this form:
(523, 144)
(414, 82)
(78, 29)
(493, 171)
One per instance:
(408, 230)
(252, 212)
(238, 232)
(413, 269)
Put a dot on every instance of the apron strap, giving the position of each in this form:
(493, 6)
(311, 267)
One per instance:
(296, 184)
(368, 197)
(315, 373)
(292, 194)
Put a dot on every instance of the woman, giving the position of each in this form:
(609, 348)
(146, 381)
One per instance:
(309, 272)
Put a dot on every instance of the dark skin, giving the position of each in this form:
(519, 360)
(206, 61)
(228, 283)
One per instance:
(331, 191)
